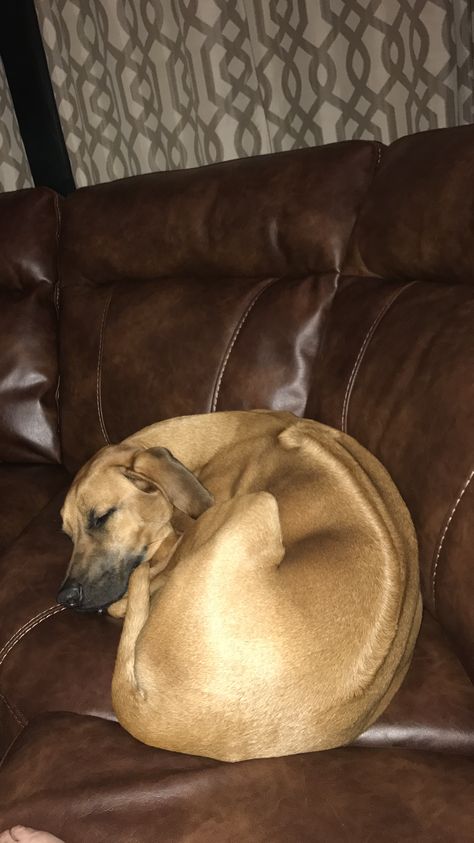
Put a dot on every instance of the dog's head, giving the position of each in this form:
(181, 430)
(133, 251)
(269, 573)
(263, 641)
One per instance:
(117, 512)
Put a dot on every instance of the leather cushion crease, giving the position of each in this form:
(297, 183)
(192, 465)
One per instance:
(336, 283)
(29, 221)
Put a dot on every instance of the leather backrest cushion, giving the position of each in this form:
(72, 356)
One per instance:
(396, 372)
(28, 327)
(187, 292)
(282, 214)
(417, 222)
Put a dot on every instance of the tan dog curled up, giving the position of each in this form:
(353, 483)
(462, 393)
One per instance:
(273, 600)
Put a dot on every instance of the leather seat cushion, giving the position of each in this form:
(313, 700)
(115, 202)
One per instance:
(53, 659)
(86, 779)
(24, 491)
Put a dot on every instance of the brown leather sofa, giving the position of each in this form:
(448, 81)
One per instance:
(335, 282)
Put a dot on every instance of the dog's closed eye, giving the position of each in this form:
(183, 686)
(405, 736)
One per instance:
(94, 521)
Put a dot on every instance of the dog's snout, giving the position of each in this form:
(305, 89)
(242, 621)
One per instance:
(70, 594)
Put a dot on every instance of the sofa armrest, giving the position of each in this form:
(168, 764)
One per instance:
(29, 226)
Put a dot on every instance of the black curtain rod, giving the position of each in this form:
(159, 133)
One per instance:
(26, 69)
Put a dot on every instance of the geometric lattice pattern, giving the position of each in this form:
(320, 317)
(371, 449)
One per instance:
(146, 85)
(14, 168)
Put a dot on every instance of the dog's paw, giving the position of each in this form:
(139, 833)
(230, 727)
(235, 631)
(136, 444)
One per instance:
(119, 608)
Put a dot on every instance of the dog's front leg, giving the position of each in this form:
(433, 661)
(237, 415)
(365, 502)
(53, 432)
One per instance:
(158, 562)
(119, 608)
(124, 679)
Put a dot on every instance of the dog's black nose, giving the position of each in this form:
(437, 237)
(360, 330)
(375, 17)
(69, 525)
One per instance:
(70, 594)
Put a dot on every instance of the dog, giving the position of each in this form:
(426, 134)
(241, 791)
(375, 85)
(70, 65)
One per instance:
(267, 570)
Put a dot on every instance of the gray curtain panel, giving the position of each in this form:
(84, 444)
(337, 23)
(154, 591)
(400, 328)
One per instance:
(145, 85)
(14, 169)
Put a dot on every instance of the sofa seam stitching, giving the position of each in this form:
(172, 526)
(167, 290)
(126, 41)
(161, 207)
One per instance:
(99, 370)
(19, 634)
(380, 148)
(17, 715)
(26, 628)
(365, 344)
(10, 746)
(23, 630)
(444, 534)
(233, 340)
(19, 631)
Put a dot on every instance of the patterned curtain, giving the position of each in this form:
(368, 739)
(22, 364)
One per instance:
(145, 85)
(14, 169)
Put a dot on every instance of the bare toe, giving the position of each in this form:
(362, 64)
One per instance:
(22, 834)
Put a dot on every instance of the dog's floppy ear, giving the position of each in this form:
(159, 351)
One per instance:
(157, 467)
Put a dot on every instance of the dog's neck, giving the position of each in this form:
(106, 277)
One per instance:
(163, 557)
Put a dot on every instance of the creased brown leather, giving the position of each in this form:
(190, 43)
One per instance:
(128, 791)
(281, 214)
(24, 491)
(434, 708)
(29, 222)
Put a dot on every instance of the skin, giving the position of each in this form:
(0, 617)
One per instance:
(23, 834)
